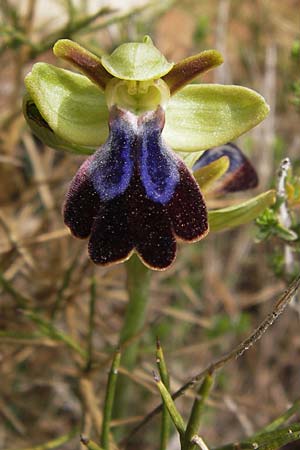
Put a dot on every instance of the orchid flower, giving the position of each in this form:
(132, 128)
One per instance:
(144, 128)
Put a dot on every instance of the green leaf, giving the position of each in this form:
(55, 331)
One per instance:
(285, 233)
(73, 107)
(203, 116)
(207, 175)
(267, 441)
(54, 443)
(282, 419)
(137, 61)
(269, 225)
(43, 131)
(170, 405)
(46, 328)
(245, 212)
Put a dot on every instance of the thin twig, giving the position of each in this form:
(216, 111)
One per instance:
(235, 353)
(91, 324)
(285, 220)
(197, 440)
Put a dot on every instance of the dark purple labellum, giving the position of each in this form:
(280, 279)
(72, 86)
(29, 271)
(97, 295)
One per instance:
(135, 194)
(240, 175)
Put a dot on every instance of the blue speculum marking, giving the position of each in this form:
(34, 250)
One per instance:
(113, 164)
(158, 168)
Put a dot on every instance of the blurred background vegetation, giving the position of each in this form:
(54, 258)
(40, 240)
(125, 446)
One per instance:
(218, 289)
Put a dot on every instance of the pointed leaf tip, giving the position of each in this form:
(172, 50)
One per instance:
(242, 213)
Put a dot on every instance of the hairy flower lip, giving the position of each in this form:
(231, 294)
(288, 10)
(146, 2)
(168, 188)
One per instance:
(133, 202)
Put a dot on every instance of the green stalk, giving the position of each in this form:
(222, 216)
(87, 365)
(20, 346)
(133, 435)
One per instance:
(109, 399)
(138, 277)
(193, 425)
(164, 375)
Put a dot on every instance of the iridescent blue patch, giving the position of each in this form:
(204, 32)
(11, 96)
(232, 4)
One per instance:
(112, 165)
(158, 167)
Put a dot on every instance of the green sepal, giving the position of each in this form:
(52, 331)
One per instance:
(74, 107)
(203, 116)
(242, 213)
(83, 60)
(43, 131)
(207, 175)
(137, 61)
(189, 68)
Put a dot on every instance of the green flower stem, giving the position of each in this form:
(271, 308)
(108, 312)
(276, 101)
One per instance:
(164, 375)
(138, 277)
(109, 400)
(196, 413)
